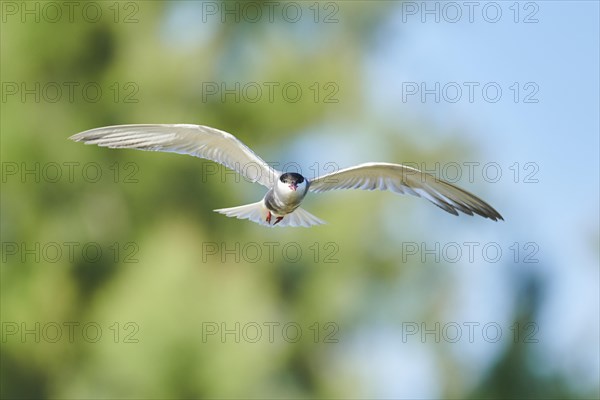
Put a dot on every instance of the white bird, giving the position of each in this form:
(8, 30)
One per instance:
(281, 204)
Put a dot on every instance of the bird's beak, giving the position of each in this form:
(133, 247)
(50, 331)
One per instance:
(293, 186)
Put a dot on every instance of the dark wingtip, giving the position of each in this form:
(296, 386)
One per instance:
(495, 216)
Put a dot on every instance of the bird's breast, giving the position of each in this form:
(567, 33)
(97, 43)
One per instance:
(282, 203)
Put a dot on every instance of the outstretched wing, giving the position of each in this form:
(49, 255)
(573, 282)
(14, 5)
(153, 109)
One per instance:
(195, 140)
(402, 179)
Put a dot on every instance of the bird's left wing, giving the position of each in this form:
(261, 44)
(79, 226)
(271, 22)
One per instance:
(196, 140)
(403, 179)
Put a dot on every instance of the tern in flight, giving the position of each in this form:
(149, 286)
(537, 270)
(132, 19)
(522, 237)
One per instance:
(281, 204)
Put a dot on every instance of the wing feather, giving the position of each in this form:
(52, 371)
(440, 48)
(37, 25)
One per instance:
(402, 179)
(195, 140)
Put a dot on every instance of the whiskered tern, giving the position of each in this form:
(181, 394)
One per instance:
(281, 204)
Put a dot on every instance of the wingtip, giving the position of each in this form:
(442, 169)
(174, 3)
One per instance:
(78, 137)
(495, 216)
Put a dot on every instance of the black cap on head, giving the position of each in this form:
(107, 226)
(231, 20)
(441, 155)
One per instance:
(291, 177)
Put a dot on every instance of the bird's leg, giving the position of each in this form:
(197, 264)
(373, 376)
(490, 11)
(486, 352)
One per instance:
(278, 220)
(269, 217)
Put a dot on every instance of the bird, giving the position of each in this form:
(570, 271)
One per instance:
(280, 206)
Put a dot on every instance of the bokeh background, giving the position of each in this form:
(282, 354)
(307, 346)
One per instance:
(118, 281)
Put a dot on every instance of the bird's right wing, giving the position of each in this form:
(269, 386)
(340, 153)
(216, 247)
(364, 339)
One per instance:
(196, 140)
(403, 179)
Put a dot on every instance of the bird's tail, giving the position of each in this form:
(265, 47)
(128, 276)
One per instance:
(257, 212)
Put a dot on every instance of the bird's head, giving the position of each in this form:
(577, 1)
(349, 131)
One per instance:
(292, 182)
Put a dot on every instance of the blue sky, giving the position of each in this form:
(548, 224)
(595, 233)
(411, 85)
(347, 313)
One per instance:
(560, 134)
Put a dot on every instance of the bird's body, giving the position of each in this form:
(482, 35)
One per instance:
(285, 197)
(281, 204)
